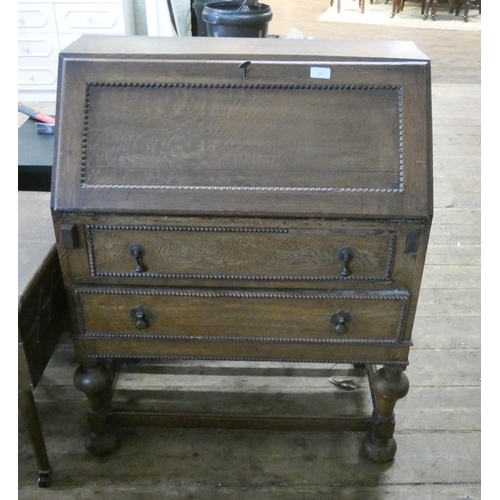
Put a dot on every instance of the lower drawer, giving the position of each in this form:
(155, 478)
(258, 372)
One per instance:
(243, 315)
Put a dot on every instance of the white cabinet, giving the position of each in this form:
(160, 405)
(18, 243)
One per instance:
(47, 27)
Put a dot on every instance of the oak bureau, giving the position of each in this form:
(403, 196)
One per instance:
(243, 199)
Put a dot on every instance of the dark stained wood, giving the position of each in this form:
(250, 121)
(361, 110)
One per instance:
(41, 311)
(244, 156)
(279, 216)
(438, 423)
(244, 421)
(241, 315)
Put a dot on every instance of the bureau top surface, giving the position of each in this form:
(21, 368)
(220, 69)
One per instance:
(192, 47)
(264, 127)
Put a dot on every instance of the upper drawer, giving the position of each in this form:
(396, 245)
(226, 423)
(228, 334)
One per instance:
(271, 253)
(90, 18)
(36, 17)
(196, 133)
(227, 252)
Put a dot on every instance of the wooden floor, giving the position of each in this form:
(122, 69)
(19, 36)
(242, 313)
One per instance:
(438, 423)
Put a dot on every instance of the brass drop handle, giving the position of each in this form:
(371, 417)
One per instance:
(137, 251)
(141, 315)
(346, 255)
(340, 320)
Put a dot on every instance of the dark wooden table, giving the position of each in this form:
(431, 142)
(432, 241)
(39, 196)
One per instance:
(34, 158)
(41, 311)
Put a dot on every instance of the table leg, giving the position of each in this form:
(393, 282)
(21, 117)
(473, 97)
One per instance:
(34, 430)
(388, 384)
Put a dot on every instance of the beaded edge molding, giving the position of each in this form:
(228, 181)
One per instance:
(107, 357)
(398, 88)
(387, 276)
(404, 298)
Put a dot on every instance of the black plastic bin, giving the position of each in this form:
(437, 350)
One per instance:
(201, 26)
(237, 19)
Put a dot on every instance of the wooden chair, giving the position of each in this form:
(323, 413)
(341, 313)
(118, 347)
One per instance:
(429, 5)
(456, 5)
(361, 5)
(397, 6)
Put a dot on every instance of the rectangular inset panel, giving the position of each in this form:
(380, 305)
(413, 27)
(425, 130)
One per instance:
(244, 137)
(272, 252)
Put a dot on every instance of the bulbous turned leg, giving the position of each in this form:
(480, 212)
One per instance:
(95, 381)
(388, 384)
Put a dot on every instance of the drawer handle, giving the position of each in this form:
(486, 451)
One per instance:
(346, 255)
(340, 320)
(141, 315)
(137, 251)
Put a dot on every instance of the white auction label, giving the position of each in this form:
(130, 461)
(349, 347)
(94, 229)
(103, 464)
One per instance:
(324, 73)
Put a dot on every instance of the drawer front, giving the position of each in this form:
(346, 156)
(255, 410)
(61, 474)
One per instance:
(222, 252)
(36, 75)
(44, 46)
(36, 17)
(242, 315)
(85, 18)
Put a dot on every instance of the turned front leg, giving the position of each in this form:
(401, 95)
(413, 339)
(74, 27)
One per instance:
(95, 381)
(388, 384)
